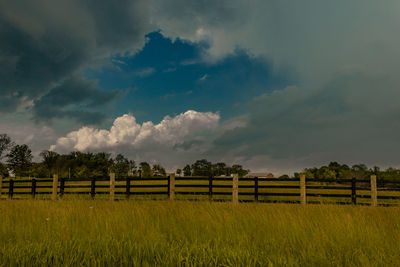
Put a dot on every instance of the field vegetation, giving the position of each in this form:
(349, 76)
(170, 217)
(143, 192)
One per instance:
(164, 233)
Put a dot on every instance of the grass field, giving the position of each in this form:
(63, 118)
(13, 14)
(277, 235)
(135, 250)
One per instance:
(165, 233)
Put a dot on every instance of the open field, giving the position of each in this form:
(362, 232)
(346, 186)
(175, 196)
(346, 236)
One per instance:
(86, 232)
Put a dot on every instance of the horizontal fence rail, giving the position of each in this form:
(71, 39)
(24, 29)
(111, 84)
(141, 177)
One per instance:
(348, 191)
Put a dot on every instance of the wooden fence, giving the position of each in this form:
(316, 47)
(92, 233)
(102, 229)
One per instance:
(350, 191)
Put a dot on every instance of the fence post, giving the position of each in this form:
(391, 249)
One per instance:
(353, 191)
(62, 186)
(256, 188)
(374, 192)
(112, 186)
(210, 187)
(33, 189)
(1, 183)
(235, 189)
(93, 187)
(11, 189)
(55, 187)
(172, 186)
(128, 187)
(303, 196)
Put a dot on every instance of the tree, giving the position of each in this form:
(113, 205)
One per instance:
(187, 171)
(50, 161)
(178, 172)
(219, 169)
(145, 170)
(19, 160)
(132, 168)
(201, 168)
(121, 166)
(158, 170)
(239, 170)
(5, 144)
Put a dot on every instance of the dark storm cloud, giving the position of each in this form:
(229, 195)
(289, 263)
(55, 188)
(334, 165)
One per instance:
(43, 43)
(74, 98)
(348, 119)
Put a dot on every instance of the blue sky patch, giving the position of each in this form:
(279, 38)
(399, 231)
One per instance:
(169, 77)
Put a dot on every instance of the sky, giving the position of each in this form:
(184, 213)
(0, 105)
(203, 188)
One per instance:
(276, 86)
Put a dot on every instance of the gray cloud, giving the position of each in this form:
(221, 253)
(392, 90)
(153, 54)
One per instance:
(45, 43)
(353, 118)
(74, 98)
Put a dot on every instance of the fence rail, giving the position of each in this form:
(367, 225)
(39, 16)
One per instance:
(349, 191)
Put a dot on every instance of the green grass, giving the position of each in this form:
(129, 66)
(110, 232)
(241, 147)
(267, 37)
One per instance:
(167, 233)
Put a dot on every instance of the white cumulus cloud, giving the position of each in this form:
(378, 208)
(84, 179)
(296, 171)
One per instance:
(126, 132)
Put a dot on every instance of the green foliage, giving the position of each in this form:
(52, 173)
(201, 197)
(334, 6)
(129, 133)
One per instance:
(121, 166)
(187, 170)
(3, 170)
(201, 168)
(49, 160)
(19, 160)
(205, 168)
(239, 170)
(5, 144)
(158, 170)
(145, 170)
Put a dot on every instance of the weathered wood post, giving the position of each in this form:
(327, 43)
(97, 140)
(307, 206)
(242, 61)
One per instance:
(303, 196)
(112, 186)
(235, 189)
(172, 186)
(55, 187)
(1, 183)
(374, 192)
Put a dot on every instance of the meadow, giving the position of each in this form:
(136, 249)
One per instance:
(168, 233)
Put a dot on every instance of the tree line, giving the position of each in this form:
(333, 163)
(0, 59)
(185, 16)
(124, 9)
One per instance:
(19, 161)
(337, 171)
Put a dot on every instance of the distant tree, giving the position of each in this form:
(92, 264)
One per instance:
(121, 166)
(132, 168)
(219, 169)
(39, 170)
(145, 170)
(239, 170)
(187, 171)
(201, 168)
(3, 170)
(284, 176)
(360, 171)
(178, 172)
(159, 170)
(49, 161)
(5, 144)
(326, 173)
(19, 160)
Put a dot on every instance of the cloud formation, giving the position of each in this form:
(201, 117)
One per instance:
(347, 120)
(170, 133)
(46, 44)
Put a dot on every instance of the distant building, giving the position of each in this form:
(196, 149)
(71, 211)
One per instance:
(259, 175)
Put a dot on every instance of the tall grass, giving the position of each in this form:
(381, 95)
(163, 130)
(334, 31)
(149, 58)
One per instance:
(146, 233)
